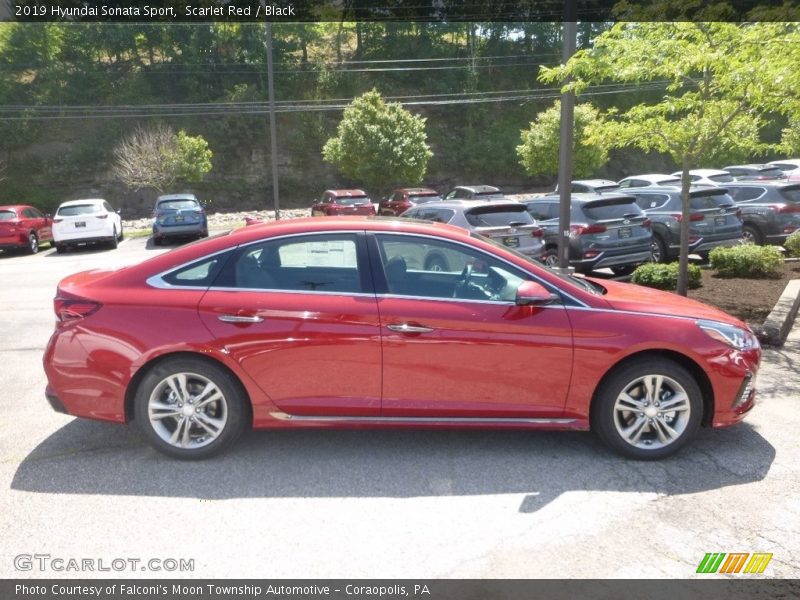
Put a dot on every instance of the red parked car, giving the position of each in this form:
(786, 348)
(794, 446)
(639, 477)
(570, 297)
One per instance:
(336, 323)
(401, 199)
(23, 226)
(336, 203)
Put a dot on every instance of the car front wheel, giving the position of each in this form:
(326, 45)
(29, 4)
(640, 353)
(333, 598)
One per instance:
(647, 409)
(190, 409)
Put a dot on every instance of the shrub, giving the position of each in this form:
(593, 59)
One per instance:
(792, 244)
(664, 277)
(747, 260)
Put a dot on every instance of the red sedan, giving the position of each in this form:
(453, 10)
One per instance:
(23, 226)
(339, 203)
(336, 323)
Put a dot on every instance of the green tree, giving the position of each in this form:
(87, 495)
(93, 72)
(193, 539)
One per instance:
(379, 143)
(724, 82)
(538, 152)
(158, 157)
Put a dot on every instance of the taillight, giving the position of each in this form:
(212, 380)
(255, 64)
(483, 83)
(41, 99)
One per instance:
(72, 309)
(105, 216)
(585, 229)
(647, 223)
(787, 208)
(537, 232)
(739, 213)
(57, 220)
(692, 217)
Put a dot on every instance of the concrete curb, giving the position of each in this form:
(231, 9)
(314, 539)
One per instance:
(779, 322)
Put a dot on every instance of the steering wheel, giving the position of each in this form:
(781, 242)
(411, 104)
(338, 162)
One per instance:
(463, 280)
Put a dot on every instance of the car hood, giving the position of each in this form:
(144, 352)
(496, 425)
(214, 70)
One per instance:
(640, 299)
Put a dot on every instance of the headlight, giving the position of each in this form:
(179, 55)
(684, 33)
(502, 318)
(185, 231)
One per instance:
(730, 335)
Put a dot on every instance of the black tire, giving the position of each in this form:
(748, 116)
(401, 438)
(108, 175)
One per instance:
(192, 443)
(436, 263)
(114, 239)
(550, 258)
(751, 233)
(121, 235)
(623, 270)
(61, 248)
(157, 241)
(33, 243)
(658, 249)
(654, 431)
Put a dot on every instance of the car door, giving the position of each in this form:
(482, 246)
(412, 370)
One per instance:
(299, 316)
(463, 349)
(43, 224)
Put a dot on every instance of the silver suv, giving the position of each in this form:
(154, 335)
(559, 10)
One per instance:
(505, 221)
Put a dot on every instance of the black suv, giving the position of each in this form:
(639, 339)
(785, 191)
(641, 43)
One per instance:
(714, 219)
(770, 210)
(606, 230)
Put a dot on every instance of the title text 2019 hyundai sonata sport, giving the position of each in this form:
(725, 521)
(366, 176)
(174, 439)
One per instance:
(337, 323)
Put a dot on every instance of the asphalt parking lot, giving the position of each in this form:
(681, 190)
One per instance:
(413, 504)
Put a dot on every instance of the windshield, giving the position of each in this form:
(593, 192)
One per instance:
(498, 216)
(580, 282)
(178, 204)
(352, 200)
(7, 215)
(78, 209)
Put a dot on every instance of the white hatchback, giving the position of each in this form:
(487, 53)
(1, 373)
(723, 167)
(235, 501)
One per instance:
(81, 222)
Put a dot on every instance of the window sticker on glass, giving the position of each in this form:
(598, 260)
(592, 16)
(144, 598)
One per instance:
(328, 253)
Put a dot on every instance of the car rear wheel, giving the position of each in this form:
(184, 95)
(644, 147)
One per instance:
(61, 248)
(647, 409)
(33, 243)
(190, 409)
(121, 235)
(752, 235)
(623, 270)
(114, 239)
(658, 250)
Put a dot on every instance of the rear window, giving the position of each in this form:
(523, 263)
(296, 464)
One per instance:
(711, 201)
(498, 216)
(488, 194)
(771, 172)
(675, 181)
(178, 204)
(7, 215)
(78, 209)
(422, 198)
(351, 200)
(726, 178)
(606, 210)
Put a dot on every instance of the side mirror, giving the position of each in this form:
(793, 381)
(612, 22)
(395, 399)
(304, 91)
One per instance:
(530, 293)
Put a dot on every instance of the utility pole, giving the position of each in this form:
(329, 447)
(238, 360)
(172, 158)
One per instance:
(568, 44)
(272, 132)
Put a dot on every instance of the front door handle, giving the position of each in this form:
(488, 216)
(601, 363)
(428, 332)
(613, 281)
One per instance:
(409, 328)
(240, 319)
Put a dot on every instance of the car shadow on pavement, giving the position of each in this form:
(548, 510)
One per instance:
(86, 457)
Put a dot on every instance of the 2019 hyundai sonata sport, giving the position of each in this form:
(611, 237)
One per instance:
(337, 323)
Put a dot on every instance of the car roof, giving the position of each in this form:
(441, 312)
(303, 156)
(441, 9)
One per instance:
(650, 177)
(594, 182)
(775, 183)
(702, 172)
(477, 188)
(346, 193)
(758, 166)
(465, 204)
(694, 190)
(416, 190)
(15, 206)
(84, 201)
(589, 196)
(785, 161)
(176, 197)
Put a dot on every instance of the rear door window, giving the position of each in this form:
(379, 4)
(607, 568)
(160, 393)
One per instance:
(7, 215)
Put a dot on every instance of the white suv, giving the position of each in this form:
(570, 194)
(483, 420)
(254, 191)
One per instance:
(80, 222)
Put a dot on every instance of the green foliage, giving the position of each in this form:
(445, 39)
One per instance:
(379, 143)
(190, 156)
(747, 260)
(792, 245)
(664, 276)
(538, 152)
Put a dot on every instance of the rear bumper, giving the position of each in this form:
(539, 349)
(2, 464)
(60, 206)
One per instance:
(163, 231)
(605, 259)
(706, 245)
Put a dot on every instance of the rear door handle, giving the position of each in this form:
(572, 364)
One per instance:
(409, 328)
(240, 319)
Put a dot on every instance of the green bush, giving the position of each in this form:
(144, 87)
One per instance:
(664, 277)
(747, 260)
(792, 244)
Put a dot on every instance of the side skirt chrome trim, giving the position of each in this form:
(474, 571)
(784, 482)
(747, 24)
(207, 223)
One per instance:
(461, 420)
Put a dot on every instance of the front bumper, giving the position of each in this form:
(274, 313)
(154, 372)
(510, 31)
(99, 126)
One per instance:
(54, 401)
(734, 378)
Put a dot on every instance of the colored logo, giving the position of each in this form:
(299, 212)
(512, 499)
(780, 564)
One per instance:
(734, 562)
